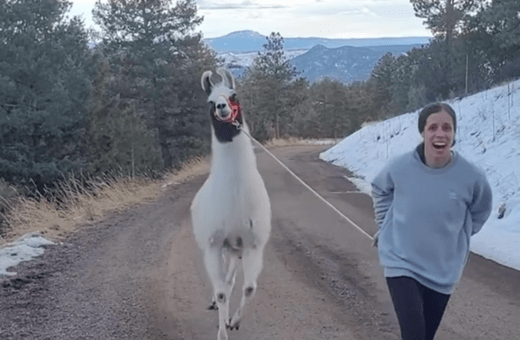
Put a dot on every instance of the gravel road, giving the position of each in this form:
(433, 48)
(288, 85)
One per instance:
(137, 274)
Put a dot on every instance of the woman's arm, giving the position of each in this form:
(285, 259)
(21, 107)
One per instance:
(382, 195)
(481, 205)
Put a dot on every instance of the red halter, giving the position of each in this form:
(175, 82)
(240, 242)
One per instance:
(236, 112)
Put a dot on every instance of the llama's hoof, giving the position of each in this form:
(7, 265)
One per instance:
(213, 306)
(231, 327)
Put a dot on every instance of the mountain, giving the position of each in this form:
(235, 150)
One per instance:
(346, 64)
(250, 41)
(238, 63)
(238, 42)
(347, 60)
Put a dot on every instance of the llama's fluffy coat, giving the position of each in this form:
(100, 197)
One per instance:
(231, 213)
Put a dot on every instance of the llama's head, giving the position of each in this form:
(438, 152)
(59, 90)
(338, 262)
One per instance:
(224, 110)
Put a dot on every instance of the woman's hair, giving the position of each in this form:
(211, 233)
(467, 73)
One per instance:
(436, 108)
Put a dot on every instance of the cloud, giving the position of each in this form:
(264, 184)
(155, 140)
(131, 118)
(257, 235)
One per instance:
(305, 18)
(230, 5)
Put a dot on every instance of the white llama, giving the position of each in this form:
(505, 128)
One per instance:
(231, 213)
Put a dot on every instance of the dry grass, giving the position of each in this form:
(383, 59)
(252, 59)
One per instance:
(192, 168)
(81, 204)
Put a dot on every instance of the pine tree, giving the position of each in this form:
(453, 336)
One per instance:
(268, 81)
(157, 60)
(44, 91)
(494, 37)
(383, 78)
(272, 61)
(118, 139)
(329, 102)
(445, 18)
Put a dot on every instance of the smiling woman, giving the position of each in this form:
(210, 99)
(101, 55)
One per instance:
(428, 203)
(437, 125)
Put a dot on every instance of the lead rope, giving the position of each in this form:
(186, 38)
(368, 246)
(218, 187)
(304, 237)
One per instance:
(239, 127)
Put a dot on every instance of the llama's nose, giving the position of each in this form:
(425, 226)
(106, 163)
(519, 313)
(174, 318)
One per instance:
(221, 106)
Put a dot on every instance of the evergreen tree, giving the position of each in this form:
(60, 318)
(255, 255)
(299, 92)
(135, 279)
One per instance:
(157, 60)
(272, 61)
(267, 82)
(445, 18)
(383, 80)
(118, 139)
(44, 91)
(329, 101)
(297, 102)
(494, 35)
(404, 69)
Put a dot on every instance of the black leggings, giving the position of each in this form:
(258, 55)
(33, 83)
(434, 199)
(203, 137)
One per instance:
(418, 308)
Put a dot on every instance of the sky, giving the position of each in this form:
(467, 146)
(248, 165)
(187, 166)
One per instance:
(488, 135)
(299, 18)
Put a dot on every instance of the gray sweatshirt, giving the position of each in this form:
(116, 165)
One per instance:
(426, 217)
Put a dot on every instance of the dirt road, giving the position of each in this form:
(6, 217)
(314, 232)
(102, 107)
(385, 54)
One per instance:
(138, 274)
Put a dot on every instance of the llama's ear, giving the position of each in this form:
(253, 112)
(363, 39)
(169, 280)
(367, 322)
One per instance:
(207, 85)
(227, 77)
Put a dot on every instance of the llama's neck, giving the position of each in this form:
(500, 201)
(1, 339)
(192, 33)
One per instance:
(235, 159)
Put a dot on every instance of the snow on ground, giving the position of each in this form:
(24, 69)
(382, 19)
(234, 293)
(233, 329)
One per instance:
(246, 59)
(488, 134)
(22, 249)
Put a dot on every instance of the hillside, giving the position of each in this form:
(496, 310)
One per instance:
(346, 64)
(488, 134)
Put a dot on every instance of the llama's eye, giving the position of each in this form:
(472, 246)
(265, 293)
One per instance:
(233, 97)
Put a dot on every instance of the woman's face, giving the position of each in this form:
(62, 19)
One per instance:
(438, 137)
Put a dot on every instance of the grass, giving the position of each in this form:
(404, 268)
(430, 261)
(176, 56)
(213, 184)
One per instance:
(82, 204)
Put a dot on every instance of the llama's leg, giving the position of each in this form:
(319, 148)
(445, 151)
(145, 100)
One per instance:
(232, 265)
(214, 266)
(232, 272)
(252, 260)
(230, 280)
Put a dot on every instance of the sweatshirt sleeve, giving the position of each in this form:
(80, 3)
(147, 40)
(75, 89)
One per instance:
(382, 195)
(481, 205)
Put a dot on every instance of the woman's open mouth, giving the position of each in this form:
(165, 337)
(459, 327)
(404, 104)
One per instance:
(439, 145)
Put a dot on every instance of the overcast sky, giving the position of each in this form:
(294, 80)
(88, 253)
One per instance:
(300, 18)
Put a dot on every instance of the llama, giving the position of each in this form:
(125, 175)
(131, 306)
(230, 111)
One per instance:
(231, 213)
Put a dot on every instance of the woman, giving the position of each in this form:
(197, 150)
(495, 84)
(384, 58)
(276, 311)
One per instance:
(428, 203)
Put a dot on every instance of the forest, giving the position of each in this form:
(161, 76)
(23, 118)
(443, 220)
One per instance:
(127, 98)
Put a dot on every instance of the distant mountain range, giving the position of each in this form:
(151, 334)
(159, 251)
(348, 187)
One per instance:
(346, 60)
(251, 41)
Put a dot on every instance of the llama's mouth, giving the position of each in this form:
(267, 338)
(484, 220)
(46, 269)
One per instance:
(224, 118)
